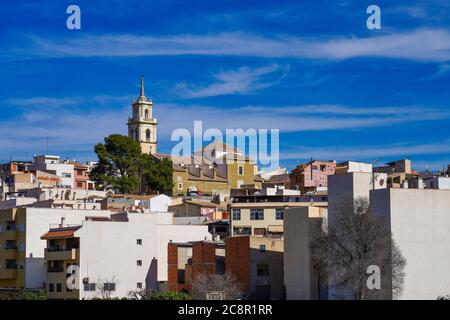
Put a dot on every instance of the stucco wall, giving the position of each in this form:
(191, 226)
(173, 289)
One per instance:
(420, 223)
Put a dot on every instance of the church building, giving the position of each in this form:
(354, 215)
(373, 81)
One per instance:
(142, 125)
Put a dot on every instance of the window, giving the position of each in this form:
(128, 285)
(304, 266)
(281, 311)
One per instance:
(147, 134)
(236, 214)
(89, 287)
(58, 287)
(51, 287)
(279, 214)
(10, 226)
(109, 286)
(66, 175)
(139, 263)
(262, 270)
(139, 285)
(241, 170)
(80, 184)
(242, 231)
(259, 231)
(256, 214)
(262, 248)
(180, 185)
(139, 242)
(80, 172)
(146, 113)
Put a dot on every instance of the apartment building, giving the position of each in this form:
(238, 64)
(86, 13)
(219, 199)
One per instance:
(254, 212)
(312, 176)
(81, 177)
(419, 220)
(112, 256)
(257, 264)
(53, 164)
(193, 208)
(215, 168)
(22, 263)
(186, 260)
(301, 279)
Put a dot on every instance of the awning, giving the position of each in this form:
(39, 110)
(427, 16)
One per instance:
(275, 229)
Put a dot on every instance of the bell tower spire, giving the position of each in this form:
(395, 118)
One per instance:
(142, 125)
(142, 94)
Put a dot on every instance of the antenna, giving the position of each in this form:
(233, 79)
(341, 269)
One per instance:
(46, 145)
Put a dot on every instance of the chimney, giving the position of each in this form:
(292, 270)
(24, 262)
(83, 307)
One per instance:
(63, 219)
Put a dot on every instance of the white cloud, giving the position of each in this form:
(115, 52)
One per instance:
(73, 129)
(369, 152)
(419, 44)
(292, 118)
(244, 80)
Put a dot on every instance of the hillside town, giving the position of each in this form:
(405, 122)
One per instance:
(68, 231)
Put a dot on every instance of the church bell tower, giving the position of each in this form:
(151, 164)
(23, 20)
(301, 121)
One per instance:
(142, 125)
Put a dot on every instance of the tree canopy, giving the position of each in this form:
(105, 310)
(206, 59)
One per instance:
(123, 168)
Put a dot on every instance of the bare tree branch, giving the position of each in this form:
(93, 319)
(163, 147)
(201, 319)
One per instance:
(356, 239)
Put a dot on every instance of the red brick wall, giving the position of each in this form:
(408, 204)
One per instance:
(203, 258)
(172, 267)
(237, 259)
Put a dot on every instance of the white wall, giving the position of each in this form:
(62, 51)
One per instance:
(16, 202)
(109, 250)
(159, 203)
(38, 221)
(59, 169)
(420, 223)
(299, 279)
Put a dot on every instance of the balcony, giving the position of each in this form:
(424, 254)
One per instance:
(9, 254)
(71, 254)
(8, 274)
(10, 235)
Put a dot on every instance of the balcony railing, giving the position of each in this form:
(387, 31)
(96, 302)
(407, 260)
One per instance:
(70, 254)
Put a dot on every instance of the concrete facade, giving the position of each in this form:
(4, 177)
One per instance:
(271, 222)
(128, 250)
(420, 224)
(300, 277)
(53, 164)
(25, 226)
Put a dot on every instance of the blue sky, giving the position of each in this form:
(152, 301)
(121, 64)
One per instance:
(312, 69)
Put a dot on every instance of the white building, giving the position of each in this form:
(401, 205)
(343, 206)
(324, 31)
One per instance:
(128, 252)
(437, 182)
(23, 265)
(301, 281)
(53, 164)
(420, 223)
(159, 203)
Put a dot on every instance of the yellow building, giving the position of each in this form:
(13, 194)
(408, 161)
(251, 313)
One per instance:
(22, 252)
(264, 214)
(215, 168)
(62, 251)
(12, 249)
